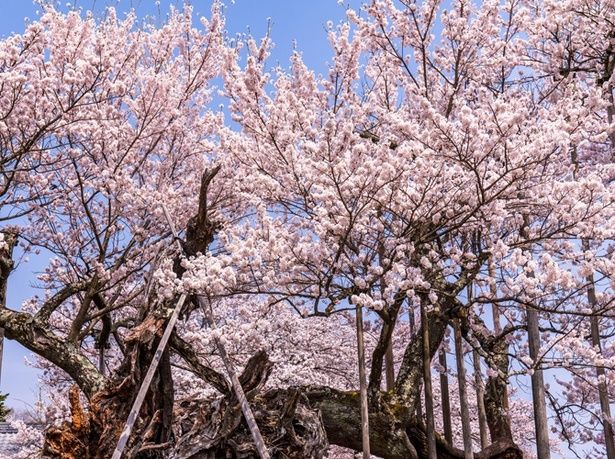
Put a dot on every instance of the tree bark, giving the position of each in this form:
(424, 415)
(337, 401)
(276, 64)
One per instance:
(418, 403)
(390, 367)
(6, 266)
(496, 394)
(382, 354)
(427, 355)
(37, 337)
(496, 388)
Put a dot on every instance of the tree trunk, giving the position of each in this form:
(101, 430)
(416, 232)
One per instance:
(412, 325)
(495, 399)
(144, 386)
(496, 395)
(390, 367)
(429, 419)
(6, 266)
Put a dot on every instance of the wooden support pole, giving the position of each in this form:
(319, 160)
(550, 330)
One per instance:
(445, 397)
(429, 418)
(363, 385)
(463, 396)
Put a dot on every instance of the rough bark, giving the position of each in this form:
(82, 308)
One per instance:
(495, 398)
(6, 266)
(390, 368)
(214, 428)
(410, 375)
(496, 393)
(383, 352)
(38, 338)
(71, 439)
(379, 356)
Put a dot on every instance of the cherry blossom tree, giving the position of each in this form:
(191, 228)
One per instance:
(451, 175)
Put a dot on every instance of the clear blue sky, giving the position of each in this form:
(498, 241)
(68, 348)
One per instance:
(293, 21)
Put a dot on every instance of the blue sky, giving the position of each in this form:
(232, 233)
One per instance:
(295, 24)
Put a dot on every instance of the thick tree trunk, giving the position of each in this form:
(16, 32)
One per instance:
(496, 395)
(109, 406)
(6, 266)
(382, 354)
(496, 388)
(390, 367)
(418, 403)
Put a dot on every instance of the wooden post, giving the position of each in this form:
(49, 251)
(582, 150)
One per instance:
(605, 405)
(363, 385)
(541, 425)
(603, 394)
(463, 397)
(444, 395)
(480, 401)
